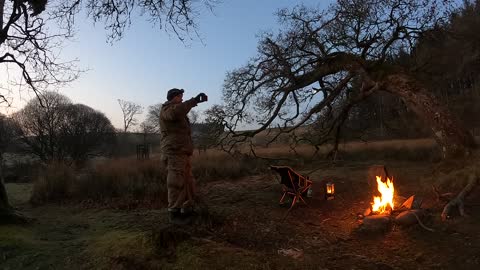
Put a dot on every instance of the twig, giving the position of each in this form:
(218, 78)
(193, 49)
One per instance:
(421, 223)
(458, 202)
(442, 196)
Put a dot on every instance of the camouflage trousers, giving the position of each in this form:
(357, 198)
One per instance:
(180, 182)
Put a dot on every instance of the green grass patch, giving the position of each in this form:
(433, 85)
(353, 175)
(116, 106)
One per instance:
(16, 236)
(120, 243)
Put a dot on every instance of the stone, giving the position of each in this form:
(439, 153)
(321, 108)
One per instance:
(376, 223)
(408, 218)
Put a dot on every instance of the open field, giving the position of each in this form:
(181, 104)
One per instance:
(243, 227)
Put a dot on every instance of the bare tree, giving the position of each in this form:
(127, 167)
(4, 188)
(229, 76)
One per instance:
(130, 111)
(193, 117)
(152, 120)
(177, 16)
(40, 121)
(85, 133)
(28, 49)
(208, 133)
(339, 57)
(33, 31)
(57, 130)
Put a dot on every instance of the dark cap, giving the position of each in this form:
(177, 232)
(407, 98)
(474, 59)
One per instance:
(173, 93)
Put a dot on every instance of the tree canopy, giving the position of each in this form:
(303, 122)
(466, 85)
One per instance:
(323, 62)
(54, 129)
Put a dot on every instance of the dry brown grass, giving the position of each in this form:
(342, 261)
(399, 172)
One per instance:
(118, 180)
(53, 184)
(133, 182)
(417, 149)
(128, 182)
(216, 165)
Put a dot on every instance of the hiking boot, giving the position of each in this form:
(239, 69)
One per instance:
(178, 218)
(188, 211)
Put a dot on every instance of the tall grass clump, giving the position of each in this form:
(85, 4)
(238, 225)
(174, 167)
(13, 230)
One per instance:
(53, 183)
(129, 179)
(211, 167)
(128, 182)
(112, 181)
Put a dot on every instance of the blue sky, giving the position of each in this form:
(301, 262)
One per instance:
(148, 61)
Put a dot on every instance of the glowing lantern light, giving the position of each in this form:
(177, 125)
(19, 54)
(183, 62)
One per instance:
(329, 191)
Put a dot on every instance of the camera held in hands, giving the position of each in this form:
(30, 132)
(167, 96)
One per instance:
(202, 97)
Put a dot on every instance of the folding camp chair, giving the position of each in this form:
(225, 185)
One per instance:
(293, 184)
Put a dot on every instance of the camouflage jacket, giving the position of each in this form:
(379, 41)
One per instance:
(176, 137)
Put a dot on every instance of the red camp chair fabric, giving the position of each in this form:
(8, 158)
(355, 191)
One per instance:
(294, 184)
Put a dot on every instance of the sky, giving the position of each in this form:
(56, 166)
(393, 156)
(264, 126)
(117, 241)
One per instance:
(147, 61)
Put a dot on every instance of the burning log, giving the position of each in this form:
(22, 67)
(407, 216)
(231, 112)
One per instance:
(376, 223)
(383, 204)
(379, 217)
(458, 202)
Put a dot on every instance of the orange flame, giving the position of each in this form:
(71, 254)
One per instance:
(384, 203)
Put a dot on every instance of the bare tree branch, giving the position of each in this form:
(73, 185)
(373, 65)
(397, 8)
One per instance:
(130, 111)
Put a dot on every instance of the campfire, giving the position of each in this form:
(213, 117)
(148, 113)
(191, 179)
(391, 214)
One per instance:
(382, 212)
(383, 204)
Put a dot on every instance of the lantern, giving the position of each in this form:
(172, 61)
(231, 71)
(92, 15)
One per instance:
(329, 191)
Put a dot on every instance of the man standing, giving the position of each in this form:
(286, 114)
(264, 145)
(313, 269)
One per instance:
(177, 149)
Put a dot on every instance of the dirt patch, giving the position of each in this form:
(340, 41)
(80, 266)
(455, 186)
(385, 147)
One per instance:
(326, 230)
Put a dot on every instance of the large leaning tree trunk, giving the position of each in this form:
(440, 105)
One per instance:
(5, 207)
(8, 215)
(6, 135)
(8, 131)
(453, 139)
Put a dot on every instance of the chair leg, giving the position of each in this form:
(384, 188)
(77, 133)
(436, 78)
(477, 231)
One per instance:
(301, 198)
(295, 199)
(291, 207)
